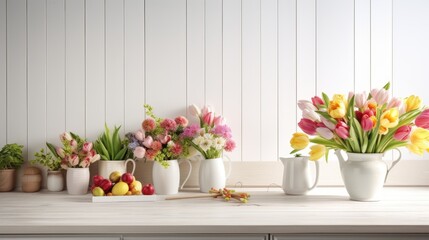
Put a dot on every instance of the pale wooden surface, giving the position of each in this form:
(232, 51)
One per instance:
(324, 210)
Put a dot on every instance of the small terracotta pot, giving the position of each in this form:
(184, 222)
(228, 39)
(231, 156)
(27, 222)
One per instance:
(32, 179)
(7, 180)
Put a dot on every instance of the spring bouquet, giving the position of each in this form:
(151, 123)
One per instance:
(159, 139)
(362, 123)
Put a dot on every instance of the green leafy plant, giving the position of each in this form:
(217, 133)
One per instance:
(11, 156)
(49, 160)
(112, 147)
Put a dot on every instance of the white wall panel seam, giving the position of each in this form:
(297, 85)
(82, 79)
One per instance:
(85, 68)
(354, 46)
(278, 84)
(315, 47)
(105, 63)
(296, 63)
(186, 57)
(46, 73)
(370, 44)
(65, 63)
(26, 64)
(205, 54)
(260, 77)
(123, 65)
(144, 54)
(241, 76)
(7, 141)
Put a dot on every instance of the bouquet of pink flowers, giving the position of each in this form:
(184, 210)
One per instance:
(362, 123)
(158, 140)
(75, 153)
(211, 136)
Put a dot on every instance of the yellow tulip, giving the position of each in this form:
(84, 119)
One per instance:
(420, 138)
(317, 151)
(388, 119)
(415, 149)
(299, 141)
(412, 102)
(337, 107)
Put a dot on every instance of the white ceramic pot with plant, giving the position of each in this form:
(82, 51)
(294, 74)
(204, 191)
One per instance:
(10, 159)
(52, 161)
(114, 153)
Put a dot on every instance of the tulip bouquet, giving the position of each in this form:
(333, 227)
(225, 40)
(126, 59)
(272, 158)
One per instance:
(211, 136)
(75, 153)
(159, 139)
(362, 123)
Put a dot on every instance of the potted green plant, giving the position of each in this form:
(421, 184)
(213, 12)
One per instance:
(55, 181)
(114, 153)
(10, 159)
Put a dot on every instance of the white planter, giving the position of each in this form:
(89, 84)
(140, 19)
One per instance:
(77, 181)
(167, 180)
(55, 181)
(296, 175)
(364, 174)
(105, 167)
(212, 174)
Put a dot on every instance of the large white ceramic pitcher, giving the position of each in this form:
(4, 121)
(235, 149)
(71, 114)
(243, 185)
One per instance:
(296, 175)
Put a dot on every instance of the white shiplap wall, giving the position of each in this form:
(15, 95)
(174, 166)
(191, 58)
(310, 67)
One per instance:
(74, 64)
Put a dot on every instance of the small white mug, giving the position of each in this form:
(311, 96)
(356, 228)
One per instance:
(296, 175)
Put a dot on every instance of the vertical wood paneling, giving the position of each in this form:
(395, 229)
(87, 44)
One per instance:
(269, 80)
(17, 73)
(411, 53)
(3, 78)
(362, 45)
(306, 50)
(251, 74)
(287, 74)
(166, 56)
(335, 42)
(75, 66)
(213, 41)
(381, 42)
(95, 69)
(56, 75)
(232, 72)
(36, 15)
(115, 63)
(134, 64)
(195, 58)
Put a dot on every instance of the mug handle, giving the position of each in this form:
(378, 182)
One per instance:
(393, 163)
(229, 167)
(317, 175)
(189, 173)
(134, 165)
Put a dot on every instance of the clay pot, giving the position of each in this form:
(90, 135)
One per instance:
(7, 180)
(32, 179)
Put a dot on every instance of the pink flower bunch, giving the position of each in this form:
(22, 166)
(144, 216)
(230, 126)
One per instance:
(75, 152)
(158, 140)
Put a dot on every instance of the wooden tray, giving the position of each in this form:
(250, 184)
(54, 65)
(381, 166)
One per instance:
(132, 198)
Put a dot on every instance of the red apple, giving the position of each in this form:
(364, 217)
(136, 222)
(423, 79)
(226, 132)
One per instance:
(127, 178)
(106, 185)
(148, 189)
(96, 180)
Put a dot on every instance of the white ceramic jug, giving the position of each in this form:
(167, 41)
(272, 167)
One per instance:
(167, 180)
(212, 174)
(296, 175)
(106, 167)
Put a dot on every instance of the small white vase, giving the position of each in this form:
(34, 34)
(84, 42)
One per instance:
(106, 167)
(212, 174)
(77, 181)
(167, 180)
(296, 175)
(55, 181)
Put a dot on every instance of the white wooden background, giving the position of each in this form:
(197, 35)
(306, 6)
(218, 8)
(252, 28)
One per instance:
(75, 64)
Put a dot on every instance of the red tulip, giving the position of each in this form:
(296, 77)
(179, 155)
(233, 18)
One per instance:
(366, 123)
(308, 126)
(402, 133)
(317, 101)
(423, 119)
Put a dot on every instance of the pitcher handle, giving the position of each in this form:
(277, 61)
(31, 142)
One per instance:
(393, 163)
(134, 165)
(189, 173)
(317, 175)
(229, 167)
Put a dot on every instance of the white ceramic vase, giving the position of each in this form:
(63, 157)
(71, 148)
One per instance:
(212, 174)
(77, 181)
(296, 175)
(167, 180)
(55, 181)
(106, 167)
(364, 174)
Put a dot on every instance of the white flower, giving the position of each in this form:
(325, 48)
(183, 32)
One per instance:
(170, 144)
(310, 114)
(360, 99)
(198, 140)
(206, 144)
(305, 104)
(219, 143)
(208, 136)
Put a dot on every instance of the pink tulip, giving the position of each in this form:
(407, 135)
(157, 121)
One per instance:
(366, 123)
(305, 104)
(73, 145)
(95, 158)
(381, 96)
(85, 162)
(73, 160)
(208, 118)
(205, 110)
(163, 138)
(360, 99)
(310, 114)
(402, 133)
(65, 137)
(342, 130)
(87, 147)
(219, 120)
(308, 126)
(194, 110)
(139, 152)
(325, 132)
(60, 152)
(139, 135)
(351, 94)
(394, 102)
(147, 142)
(423, 119)
(317, 101)
(91, 153)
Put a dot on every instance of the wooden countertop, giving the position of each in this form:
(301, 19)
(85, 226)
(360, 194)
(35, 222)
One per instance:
(324, 210)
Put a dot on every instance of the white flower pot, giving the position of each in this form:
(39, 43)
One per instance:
(106, 167)
(167, 180)
(77, 181)
(55, 181)
(296, 175)
(212, 174)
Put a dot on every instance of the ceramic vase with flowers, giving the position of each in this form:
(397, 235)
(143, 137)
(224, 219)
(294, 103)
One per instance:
(159, 141)
(365, 126)
(54, 180)
(209, 138)
(76, 156)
